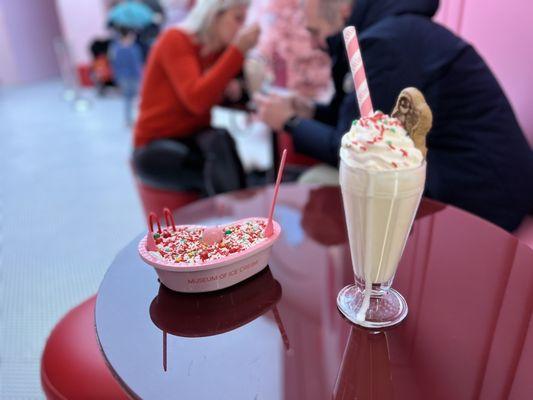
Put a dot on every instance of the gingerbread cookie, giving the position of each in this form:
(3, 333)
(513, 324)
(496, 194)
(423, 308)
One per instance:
(414, 113)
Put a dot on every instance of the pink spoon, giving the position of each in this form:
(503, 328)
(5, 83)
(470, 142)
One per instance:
(269, 229)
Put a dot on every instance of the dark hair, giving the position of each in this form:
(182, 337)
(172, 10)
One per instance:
(329, 8)
(124, 31)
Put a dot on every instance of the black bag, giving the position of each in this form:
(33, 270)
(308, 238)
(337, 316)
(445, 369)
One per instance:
(222, 170)
(206, 162)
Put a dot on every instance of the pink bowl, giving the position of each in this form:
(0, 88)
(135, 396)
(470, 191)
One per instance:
(212, 275)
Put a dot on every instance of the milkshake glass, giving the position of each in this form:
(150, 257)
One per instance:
(382, 178)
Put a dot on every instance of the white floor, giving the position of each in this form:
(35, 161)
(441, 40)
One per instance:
(68, 204)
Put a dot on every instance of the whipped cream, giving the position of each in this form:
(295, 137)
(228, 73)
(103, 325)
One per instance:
(379, 143)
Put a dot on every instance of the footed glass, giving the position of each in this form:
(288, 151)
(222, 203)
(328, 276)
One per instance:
(380, 207)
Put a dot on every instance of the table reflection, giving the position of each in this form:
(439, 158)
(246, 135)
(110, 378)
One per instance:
(365, 369)
(215, 313)
(322, 222)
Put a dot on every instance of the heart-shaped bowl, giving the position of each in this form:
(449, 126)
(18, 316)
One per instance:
(213, 274)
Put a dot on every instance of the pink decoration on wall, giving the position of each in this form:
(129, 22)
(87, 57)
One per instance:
(286, 44)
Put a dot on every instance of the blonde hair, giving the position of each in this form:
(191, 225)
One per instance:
(200, 18)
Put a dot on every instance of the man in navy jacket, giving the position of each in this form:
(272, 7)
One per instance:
(478, 157)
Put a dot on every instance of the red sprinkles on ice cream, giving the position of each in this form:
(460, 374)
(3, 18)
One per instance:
(185, 245)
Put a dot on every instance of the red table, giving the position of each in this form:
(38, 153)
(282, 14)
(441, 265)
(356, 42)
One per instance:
(279, 335)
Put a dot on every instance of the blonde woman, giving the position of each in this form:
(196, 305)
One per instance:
(189, 70)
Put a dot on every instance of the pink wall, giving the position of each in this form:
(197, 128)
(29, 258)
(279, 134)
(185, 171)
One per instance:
(503, 34)
(8, 70)
(29, 29)
(450, 14)
(81, 22)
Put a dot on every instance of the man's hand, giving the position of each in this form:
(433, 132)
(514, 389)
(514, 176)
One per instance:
(304, 107)
(274, 110)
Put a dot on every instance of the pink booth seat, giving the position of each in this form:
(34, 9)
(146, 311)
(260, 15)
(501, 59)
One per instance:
(525, 231)
(72, 366)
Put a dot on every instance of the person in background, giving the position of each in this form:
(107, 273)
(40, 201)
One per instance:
(127, 63)
(138, 16)
(478, 157)
(134, 14)
(101, 70)
(191, 68)
(149, 33)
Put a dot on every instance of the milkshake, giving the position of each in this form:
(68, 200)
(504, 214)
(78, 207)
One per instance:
(382, 176)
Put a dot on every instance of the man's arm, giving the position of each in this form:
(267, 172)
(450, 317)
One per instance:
(387, 74)
(322, 141)
(329, 113)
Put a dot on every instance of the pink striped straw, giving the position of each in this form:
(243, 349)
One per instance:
(358, 71)
(269, 229)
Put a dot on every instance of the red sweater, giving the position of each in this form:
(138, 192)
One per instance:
(180, 87)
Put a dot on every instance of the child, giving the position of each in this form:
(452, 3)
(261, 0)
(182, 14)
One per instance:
(126, 59)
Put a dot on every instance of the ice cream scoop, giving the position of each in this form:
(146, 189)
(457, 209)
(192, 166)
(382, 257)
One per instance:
(212, 235)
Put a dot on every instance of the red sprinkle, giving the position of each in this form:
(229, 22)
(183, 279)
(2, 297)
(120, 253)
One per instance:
(185, 245)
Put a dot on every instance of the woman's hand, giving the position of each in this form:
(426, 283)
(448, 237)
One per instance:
(234, 91)
(247, 38)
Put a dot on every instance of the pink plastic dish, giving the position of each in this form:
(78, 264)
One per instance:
(212, 275)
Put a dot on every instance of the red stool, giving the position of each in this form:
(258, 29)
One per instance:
(72, 366)
(293, 158)
(156, 200)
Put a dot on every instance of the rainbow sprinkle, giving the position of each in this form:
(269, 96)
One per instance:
(184, 246)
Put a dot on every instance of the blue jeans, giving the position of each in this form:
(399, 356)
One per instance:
(129, 89)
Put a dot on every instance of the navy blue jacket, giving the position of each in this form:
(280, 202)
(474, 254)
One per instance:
(478, 157)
